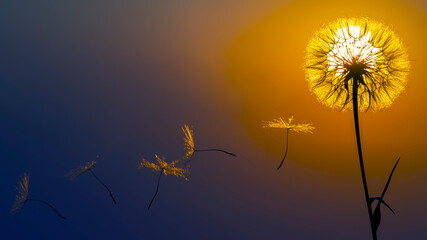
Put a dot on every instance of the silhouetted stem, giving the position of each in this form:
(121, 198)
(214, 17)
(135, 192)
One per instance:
(157, 190)
(218, 150)
(286, 151)
(386, 185)
(389, 178)
(48, 204)
(103, 184)
(359, 149)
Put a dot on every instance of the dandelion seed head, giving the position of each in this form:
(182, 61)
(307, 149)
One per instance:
(281, 123)
(146, 164)
(361, 49)
(80, 170)
(167, 168)
(22, 195)
(188, 141)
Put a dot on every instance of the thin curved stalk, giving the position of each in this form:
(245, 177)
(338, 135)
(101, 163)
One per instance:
(103, 184)
(218, 150)
(386, 185)
(157, 190)
(286, 151)
(359, 149)
(389, 178)
(47, 204)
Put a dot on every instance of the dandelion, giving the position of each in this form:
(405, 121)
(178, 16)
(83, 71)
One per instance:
(22, 197)
(289, 126)
(88, 167)
(164, 168)
(357, 61)
(189, 147)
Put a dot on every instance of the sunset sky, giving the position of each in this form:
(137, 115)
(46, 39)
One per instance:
(120, 78)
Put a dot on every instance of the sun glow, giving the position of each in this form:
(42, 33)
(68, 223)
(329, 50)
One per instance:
(361, 50)
(352, 46)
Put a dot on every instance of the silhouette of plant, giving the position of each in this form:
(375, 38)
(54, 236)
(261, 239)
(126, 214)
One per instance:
(164, 168)
(376, 217)
(189, 144)
(88, 167)
(359, 61)
(281, 123)
(22, 197)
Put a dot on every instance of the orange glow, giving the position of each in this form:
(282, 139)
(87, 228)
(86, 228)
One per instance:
(266, 71)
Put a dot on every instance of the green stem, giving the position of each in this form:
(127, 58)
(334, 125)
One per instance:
(359, 149)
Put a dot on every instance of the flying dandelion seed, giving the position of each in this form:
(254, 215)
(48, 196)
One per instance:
(189, 146)
(88, 167)
(80, 170)
(362, 62)
(188, 141)
(289, 126)
(22, 197)
(164, 168)
(361, 51)
(281, 123)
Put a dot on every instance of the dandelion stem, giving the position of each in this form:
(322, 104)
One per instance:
(218, 150)
(48, 204)
(356, 79)
(286, 151)
(109, 191)
(157, 190)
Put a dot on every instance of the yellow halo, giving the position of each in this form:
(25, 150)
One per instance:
(348, 47)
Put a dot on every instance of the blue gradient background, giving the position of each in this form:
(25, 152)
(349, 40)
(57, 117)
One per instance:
(119, 79)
